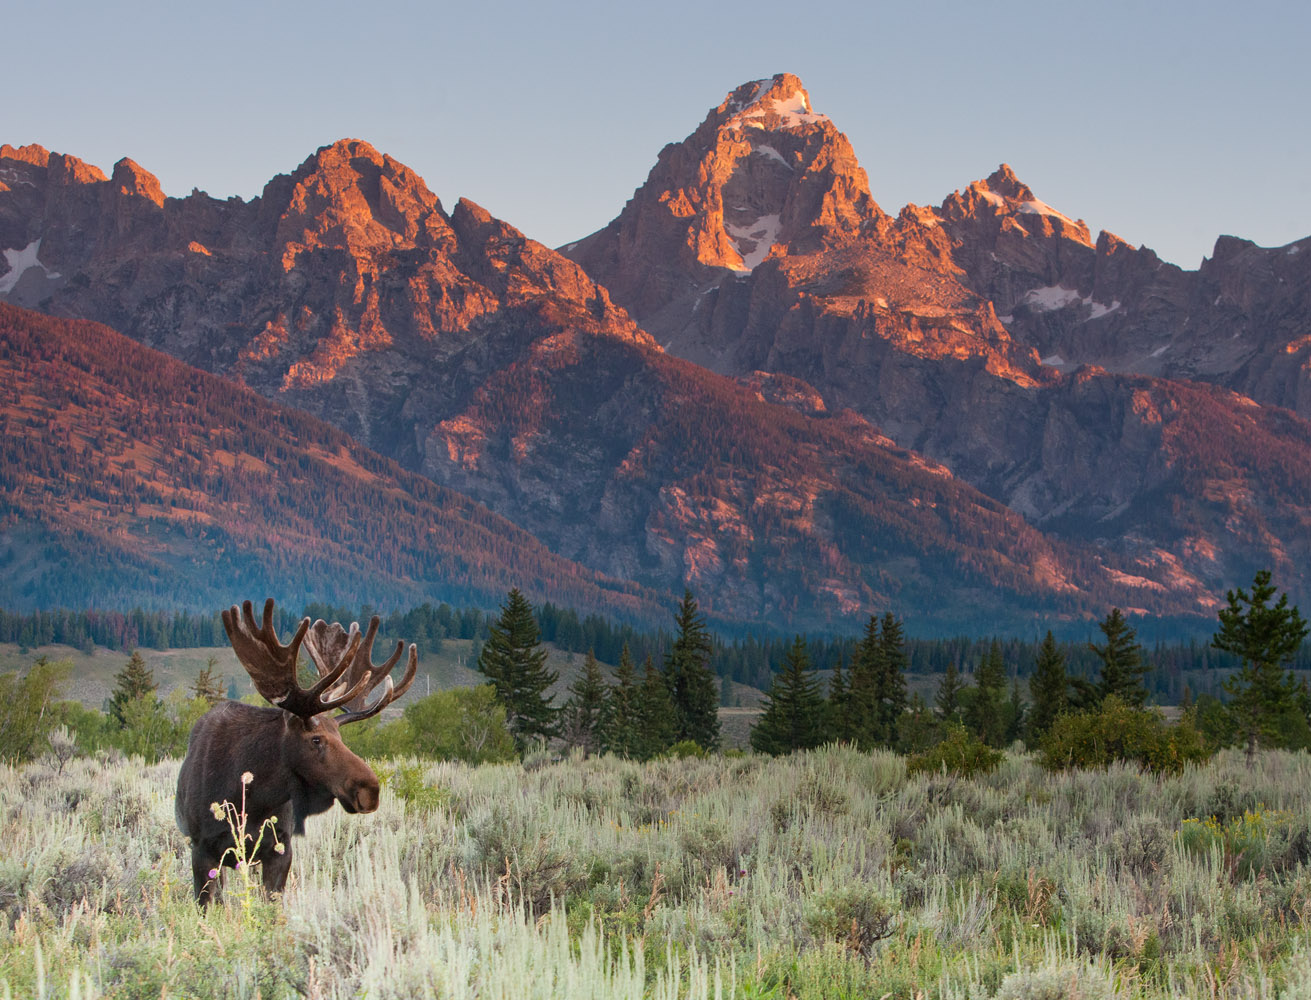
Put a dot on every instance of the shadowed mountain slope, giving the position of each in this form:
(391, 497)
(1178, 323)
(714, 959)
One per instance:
(128, 478)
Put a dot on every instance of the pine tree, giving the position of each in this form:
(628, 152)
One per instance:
(621, 728)
(794, 709)
(839, 706)
(890, 689)
(1265, 699)
(863, 694)
(208, 686)
(947, 700)
(657, 724)
(584, 712)
(692, 687)
(135, 680)
(1048, 689)
(985, 713)
(513, 660)
(1122, 662)
(919, 728)
(1014, 713)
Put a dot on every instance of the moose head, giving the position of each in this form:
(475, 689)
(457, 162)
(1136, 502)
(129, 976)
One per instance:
(287, 762)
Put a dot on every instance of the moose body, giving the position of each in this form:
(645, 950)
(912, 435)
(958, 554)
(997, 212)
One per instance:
(298, 769)
(286, 762)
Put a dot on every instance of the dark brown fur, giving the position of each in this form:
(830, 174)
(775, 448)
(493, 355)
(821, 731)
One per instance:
(299, 767)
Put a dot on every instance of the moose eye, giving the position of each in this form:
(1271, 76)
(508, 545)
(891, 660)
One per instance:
(317, 740)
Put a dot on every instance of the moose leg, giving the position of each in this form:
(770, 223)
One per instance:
(203, 862)
(275, 864)
(275, 868)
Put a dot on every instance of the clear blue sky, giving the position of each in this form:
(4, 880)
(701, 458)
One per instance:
(1167, 123)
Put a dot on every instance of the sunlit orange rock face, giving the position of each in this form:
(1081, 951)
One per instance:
(875, 422)
(993, 334)
(379, 281)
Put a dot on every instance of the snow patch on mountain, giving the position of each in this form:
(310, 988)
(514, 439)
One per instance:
(754, 240)
(771, 153)
(1054, 297)
(19, 262)
(792, 111)
(1036, 207)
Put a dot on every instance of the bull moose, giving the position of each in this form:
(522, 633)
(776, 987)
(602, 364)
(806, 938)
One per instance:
(286, 761)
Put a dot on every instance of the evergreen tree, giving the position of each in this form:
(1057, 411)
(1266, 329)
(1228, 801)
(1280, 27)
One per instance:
(794, 709)
(692, 687)
(1122, 662)
(512, 658)
(1048, 690)
(656, 720)
(985, 710)
(622, 729)
(947, 700)
(1014, 713)
(839, 705)
(919, 729)
(865, 709)
(208, 686)
(584, 711)
(890, 689)
(1265, 700)
(135, 680)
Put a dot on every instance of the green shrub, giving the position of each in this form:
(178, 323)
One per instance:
(153, 729)
(409, 784)
(1244, 841)
(464, 724)
(28, 709)
(685, 748)
(960, 752)
(852, 915)
(1117, 732)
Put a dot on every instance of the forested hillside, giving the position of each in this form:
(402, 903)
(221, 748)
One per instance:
(128, 478)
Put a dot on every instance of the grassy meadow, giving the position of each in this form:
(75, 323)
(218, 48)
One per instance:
(825, 874)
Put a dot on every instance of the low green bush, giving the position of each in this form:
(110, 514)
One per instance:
(685, 748)
(1118, 732)
(960, 752)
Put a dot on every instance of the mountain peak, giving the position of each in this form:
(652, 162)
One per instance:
(130, 178)
(1003, 181)
(775, 102)
(350, 193)
(1004, 200)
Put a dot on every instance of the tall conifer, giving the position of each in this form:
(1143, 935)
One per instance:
(1122, 662)
(946, 701)
(134, 681)
(839, 706)
(891, 682)
(794, 708)
(985, 713)
(622, 729)
(692, 687)
(866, 678)
(1267, 703)
(656, 718)
(513, 659)
(584, 712)
(1048, 690)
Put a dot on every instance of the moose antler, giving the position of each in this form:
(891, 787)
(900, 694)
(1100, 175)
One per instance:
(272, 666)
(327, 644)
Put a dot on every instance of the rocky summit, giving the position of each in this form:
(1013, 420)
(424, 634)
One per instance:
(1060, 374)
(754, 382)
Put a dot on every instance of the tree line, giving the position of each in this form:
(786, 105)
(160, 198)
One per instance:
(1072, 719)
(1176, 671)
(670, 705)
